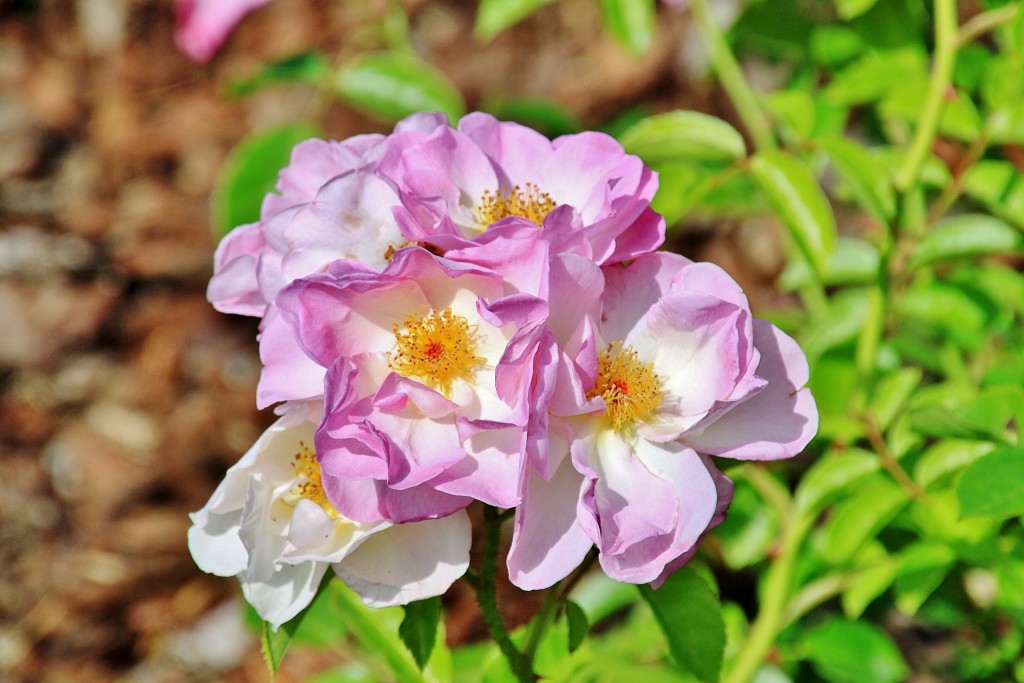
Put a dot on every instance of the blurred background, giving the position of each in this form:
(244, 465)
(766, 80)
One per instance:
(123, 394)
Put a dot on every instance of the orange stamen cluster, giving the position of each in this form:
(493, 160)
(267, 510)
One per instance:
(436, 349)
(310, 484)
(628, 386)
(526, 201)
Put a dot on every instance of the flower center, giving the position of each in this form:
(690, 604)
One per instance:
(526, 201)
(310, 484)
(628, 386)
(436, 348)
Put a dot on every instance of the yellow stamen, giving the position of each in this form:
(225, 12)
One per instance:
(525, 201)
(436, 349)
(310, 484)
(628, 386)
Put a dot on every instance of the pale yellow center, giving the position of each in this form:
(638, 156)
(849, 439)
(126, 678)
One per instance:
(628, 386)
(309, 484)
(524, 201)
(436, 349)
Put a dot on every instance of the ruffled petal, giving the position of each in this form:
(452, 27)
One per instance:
(408, 562)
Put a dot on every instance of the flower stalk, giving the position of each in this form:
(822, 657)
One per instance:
(487, 599)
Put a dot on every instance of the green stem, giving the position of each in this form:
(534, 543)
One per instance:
(776, 593)
(731, 77)
(541, 621)
(942, 72)
(488, 601)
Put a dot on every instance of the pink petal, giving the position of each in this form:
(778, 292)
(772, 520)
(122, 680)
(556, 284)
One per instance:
(775, 423)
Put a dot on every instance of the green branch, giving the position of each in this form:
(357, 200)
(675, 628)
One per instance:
(946, 39)
(488, 601)
(731, 77)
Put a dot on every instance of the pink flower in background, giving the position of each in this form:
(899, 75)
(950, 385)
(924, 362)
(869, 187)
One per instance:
(203, 25)
(271, 524)
(681, 370)
(457, 183)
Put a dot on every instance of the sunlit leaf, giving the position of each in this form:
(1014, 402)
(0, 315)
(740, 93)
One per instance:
(797, 198)
(393, 85)
(853, 652)
(848, 9)
(690, 616)
(892, 394)
(494, 16)
(855, 262)
(684, 136)
(966, 235)
(865, 175)
(946, 457)
(250, 172)
(858, 518)
(631, 22)
(869, 583)
(838, 471)
(994, 484)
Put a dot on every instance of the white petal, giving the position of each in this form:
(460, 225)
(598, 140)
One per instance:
(215, 545)
(409, 562)
(286, 592)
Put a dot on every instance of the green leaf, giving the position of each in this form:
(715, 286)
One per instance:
(946, 457)
(853, 652)
(274, 643)
(849, 9)
(875, 74)
(310, 68)
(865, 174)
(870, 582)
(833, 474)
(999, 187)
(797, 198)
(250, 172)
(993, 485)
(750, 529)
(494, 16)
(684, 136)
(860, 517)
(377, 631)
(631, 22)
(923, 566)
(393, 85)
(690, 616)
(892, 393)
(855, 262)
(419, 628)
(966, 235)
(578, 626)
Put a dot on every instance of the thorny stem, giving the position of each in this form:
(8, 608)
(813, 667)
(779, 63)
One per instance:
(942, 72)
(731, 77)
(488, 601)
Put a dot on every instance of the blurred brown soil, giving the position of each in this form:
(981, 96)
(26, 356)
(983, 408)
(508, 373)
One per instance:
(123, 394)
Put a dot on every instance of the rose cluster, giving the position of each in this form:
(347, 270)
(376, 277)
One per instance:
(478, 313)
